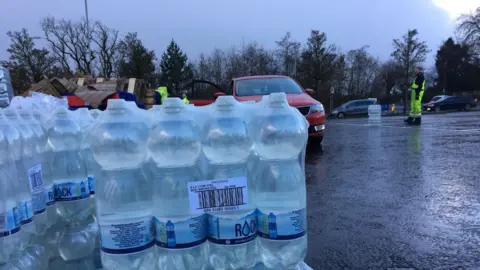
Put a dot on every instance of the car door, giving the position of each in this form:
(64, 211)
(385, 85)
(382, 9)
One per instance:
(351, 107)
(363, 108)
(448, 104)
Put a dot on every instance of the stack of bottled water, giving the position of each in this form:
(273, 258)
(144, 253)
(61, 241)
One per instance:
(74, 208)
(122, 192)
(23, 148)
(218, 187)
(227, 147)
(374, 115)
(174, 149)
(280, 138)
(177, 187)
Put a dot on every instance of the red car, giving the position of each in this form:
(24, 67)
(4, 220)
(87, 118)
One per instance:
(252, 88)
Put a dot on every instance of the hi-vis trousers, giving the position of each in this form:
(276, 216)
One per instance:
(416, 103)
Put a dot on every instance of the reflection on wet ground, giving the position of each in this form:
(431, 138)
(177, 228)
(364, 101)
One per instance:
(395, 195)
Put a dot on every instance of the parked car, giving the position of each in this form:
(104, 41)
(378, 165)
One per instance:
(253, 88)
(353, 107)
(444, 103)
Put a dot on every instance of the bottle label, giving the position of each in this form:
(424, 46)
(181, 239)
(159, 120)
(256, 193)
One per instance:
(91, 184)
(225, 231)
(50, 195)
(35, 180)
(9, 222)
(218, 195)
(127, 237)
(25, 209)
(185, 233)
(71, 191)
(284, 226)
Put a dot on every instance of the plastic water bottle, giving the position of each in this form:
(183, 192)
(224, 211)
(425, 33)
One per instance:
(9, 214)
(47, 168)
(76, 245)
(122, 193)
(69, 174)
(86, 264)
(85, 121)
(174, 147)
(95, 113)
(71, 188)
(280, 137)
(36, 172)
(52, 237)
(227, 147)
(34, 257)
(21, 145)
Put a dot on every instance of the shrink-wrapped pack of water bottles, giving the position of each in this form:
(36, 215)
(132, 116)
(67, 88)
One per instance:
(174, 187)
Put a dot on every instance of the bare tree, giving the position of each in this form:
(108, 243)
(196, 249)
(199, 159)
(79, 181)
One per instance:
(469, 29)
(409, 52)
(217, 67)
(34, 63)
(106, 40)
(203, 69)
(71, 40)
(361, 72)
(235, 63)
(288, 52)
(389, 73)
(258, 61)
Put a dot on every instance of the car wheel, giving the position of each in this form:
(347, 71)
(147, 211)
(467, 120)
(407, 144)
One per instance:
(437, 108)
(341, 115)
(467, 107)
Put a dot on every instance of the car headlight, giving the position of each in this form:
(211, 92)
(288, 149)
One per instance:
(335, 112)
(316, 108)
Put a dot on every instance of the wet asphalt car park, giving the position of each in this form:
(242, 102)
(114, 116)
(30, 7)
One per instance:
(395, 196)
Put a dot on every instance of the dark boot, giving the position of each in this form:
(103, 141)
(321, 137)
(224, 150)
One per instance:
(409, 120)
(417, 121)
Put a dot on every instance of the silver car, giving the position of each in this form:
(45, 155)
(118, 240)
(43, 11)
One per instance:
(353, 107)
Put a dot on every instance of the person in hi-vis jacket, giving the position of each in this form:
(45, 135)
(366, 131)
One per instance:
(417, 88)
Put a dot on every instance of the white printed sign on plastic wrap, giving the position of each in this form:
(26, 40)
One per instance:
(35, 178)
(218, 195)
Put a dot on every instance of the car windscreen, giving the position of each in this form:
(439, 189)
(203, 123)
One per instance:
(437, 98)
(266, 86)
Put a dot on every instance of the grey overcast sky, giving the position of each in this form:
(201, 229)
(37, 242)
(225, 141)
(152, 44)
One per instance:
(201, 25)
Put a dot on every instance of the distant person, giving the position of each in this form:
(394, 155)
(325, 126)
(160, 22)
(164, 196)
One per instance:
(185, 99)
(417, 88)
(162, 90)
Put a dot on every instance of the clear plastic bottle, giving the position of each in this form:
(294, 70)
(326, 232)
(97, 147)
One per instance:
(36, 175)
(123, 194)
(280, 138)
(34, 257)
(85, 264)
(9, 214)
(75, 243)
(69, 174)
(95, 113)
(47, 169)
(85, 121)
(227, 147)
(21, 145)
(174, 147)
